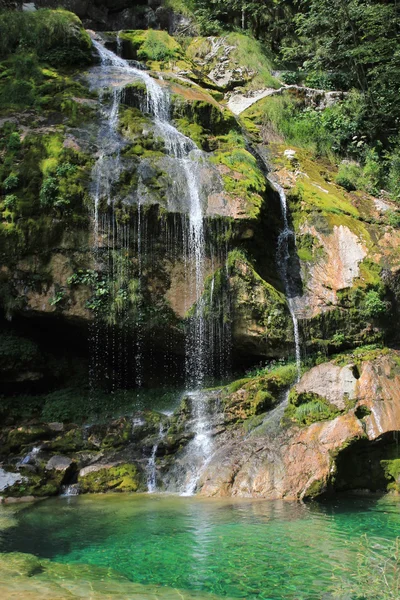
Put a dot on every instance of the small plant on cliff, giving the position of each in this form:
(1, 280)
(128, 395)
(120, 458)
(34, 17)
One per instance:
(11, 182)
(393, 218)
(10, 202)
(373, 305)
(58, 297)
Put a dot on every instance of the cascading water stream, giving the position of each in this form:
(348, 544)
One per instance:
(187, 157)
(283, 256)
(151, 466)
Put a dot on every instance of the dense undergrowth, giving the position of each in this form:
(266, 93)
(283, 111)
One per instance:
(349, 46)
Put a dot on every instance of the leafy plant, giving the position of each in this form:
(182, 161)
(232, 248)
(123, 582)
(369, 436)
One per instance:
(58, 297)
(11, 182)
(393, 218)
(10, 202)
(49, 192)
(373, 305)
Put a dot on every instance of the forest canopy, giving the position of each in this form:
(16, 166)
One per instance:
(332, 44)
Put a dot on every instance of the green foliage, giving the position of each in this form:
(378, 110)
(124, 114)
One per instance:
(394, 172)
(373, 306)
(14, 349)
(392, 473)
(11, 182)
(393, 218)
(153, 45)
(156, 47)
(49, 192)
(58, 298)
(10, 202)
(319, 80)
(14, 141)
(313, 411)
(349, 176)
(290, 77)
(306, 408)
(56, 36)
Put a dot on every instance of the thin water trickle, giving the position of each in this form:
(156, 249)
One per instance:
(283, 256)
(152, 465)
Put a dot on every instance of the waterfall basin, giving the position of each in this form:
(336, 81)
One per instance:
(232, 548)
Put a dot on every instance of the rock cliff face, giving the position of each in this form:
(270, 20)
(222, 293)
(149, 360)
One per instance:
(120, 280)
(300, 462)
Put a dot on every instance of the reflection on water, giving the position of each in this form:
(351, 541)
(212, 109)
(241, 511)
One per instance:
(232, 548)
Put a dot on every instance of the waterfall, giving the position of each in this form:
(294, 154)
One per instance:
(151, 466)
(187, 157)
(283, 256)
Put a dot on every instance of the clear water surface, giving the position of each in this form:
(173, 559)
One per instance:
(270, 550)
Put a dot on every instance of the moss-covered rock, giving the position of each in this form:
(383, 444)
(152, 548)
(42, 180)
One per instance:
(261, 320)
(232, 61)
(307, 408)
(20, 437)
(40, 484)
(392, 474)
(247, 398)
(121, 478)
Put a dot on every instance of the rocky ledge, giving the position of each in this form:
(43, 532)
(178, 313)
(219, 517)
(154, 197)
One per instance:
(335, 431)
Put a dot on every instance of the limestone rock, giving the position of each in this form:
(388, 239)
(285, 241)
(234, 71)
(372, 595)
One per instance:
(58, 463)
(300, 462)
(336, 384)
(8, 479)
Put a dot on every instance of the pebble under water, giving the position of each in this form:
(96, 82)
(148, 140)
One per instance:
(271, 550)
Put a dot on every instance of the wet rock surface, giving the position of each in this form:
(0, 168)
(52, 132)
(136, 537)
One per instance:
(298, 463)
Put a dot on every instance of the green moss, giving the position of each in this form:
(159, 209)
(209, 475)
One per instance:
(118, 437)
(70, 441)
(38, 485)
(392, 473)
(258, 301)
(152, 46)
(57, 36)
(22, 436)
(306, 408)
(315, 489)
(308, 248)
(250, 397)
(246, 54)
(122, 478)
(242, 178)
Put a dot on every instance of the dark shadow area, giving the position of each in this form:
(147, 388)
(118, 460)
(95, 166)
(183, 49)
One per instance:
(359, 466)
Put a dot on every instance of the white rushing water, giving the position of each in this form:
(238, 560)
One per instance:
(187, 157)
(283, 264)
(152, 465)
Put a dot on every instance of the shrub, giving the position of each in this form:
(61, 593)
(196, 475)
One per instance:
(54, 35)
(290, 77)
(373, 306)
(48, 192)
(14, 141)
(11, 182)
(393, 218)
(319, 80)
(349, 176)
(10, 202)
(394, 174)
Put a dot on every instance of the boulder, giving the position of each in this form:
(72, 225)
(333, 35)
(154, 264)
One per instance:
(58, 463)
